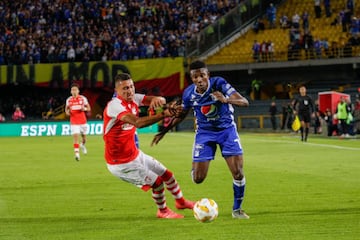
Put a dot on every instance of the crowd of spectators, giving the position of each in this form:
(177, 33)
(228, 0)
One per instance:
(301, 37)
(43, 31)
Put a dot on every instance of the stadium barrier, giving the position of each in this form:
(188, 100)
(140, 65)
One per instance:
(242, 122)
(95, 127)
(55, 128)
(257, 121)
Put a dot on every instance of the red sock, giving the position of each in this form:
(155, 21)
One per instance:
(173, 186)
(158, 194)
(76, 147)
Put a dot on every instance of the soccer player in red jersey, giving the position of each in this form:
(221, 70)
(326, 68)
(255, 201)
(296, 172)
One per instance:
(124, 159)
(76, 107)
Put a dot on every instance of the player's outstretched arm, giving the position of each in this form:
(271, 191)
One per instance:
(174, 121)
(154, 101)
(141, 122)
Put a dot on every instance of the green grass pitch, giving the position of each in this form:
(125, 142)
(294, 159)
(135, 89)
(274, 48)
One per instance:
(294, 190)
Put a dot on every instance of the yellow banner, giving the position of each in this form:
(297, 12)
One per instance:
(92, 74)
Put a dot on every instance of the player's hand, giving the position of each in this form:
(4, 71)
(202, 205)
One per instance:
(218, 96)
(173, 109)
(157, 102)
(157, 139)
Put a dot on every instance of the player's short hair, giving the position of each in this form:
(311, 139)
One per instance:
(197, 65)
(75, 85)
(122, 77)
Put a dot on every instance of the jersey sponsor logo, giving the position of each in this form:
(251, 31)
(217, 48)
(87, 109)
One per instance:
(210, 111)
(127, 126)
(76, 107)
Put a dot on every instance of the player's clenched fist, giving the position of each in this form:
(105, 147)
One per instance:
(173, 109)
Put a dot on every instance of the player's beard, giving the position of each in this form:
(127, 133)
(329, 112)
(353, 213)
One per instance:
(200, 88)
(130, 97)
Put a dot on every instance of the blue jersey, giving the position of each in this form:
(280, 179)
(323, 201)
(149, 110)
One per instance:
(210, 114)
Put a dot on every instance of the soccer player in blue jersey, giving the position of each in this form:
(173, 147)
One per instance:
(212, 99)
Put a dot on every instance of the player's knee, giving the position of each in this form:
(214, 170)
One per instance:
(158, 183)
(198, 178)
(238, 175)
(167, 175)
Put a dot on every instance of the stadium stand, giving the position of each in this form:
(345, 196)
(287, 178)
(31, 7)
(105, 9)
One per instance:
(31, 99)
(68, 30)
(71, 30)
(340, 43)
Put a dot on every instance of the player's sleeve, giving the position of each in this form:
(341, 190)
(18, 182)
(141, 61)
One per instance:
(185, 103)
(295, 105)
(85, 100)
(139, 99)
(312, 105)
(115, 109)
(225, 87)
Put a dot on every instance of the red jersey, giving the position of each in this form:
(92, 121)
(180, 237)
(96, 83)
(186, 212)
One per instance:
(18, 115)
(119, 136)
(75, 104)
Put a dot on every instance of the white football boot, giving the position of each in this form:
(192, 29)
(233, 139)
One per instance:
(240, 214)
(83, 148)
(77, 156)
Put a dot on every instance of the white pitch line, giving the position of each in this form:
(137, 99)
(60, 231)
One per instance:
(283, 141)
(314, 144)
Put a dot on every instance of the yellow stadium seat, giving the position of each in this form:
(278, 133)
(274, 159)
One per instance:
(240, 51)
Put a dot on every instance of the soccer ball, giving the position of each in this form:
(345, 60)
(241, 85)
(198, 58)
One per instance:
(205, 210)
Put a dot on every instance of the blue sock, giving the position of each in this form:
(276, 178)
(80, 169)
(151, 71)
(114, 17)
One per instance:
(239, 190)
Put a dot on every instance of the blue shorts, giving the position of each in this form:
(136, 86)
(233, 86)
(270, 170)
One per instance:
(206, 142)
(137, 140)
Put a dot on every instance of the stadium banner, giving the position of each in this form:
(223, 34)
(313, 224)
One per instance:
(166, 75)
(58, 128)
